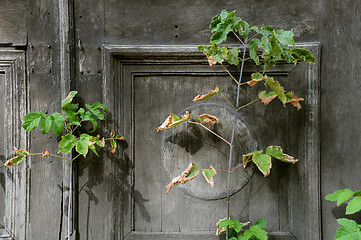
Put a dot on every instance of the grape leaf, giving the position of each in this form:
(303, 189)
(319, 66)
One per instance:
(209, 174)
(173, 120)
(354, 205)
(188, 174)
(212, 92)
(207, 119)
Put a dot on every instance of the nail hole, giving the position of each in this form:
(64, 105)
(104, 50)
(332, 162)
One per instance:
(176, 26)
(2, 72)
(80, 16)
(176, 36)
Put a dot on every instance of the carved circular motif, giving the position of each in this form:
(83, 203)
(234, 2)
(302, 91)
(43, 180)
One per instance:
(191, 143)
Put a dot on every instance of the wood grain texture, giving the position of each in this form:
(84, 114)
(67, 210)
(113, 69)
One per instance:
(13, 28)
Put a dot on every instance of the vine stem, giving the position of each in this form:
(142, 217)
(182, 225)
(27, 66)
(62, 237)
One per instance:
(240, 165)
(232, 138)
(246, 105)
(200, 124)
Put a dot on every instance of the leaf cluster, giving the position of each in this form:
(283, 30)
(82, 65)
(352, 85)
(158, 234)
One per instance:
(255, 232)
(264, 42)
(350, 229)
(264, 161)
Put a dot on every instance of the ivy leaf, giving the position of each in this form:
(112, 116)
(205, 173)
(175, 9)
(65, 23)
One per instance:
(230, 223)
(354, 205)
(207, 119)
(32, 120)
(303, 54)
(214, 91)
(263, 162)
(284, 37)
(173, 120)
(277, 152)
(57, 123)
(188, 174)
(14, 161)
(340, 196)
(68, 99)
(67, 143)
(349, 231)
(267, 97)
(209, 174)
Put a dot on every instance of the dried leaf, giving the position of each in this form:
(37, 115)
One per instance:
(112, 133)
(214, 91)
(207, 119)
(14, 161)
(209, 174)
(267, 97)
(188, 174)
(46, 153)
(121, 138)
(173, 120)
(256, 77)
(295, 101)
(212, 62)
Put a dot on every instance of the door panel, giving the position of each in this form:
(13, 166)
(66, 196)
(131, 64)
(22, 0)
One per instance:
(145, 84)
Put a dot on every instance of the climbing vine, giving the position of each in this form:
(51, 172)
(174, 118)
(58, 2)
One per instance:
(265, 46)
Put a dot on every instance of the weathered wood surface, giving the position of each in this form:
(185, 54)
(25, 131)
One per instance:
(34, 24)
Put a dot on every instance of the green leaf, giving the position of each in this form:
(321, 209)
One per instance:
(223, 27)
(32, 120)
(193, 172)
(95, 112)
(68, 99)
(99, 105)
(209, 174)
(258, 232)
(92, 147)
(45, 124)
(263, 162)
(248, 156)
(57, 123)
(303, 54)
(277, 152)
(261, 223)
(113, 144)
(349, 231)
(266, 44)
(253, 47)
(354, 205)
(267, 97)
(83, 144)
(277, 88)
(15, 160)
(67, 143)
(233, 56)
(231, 223)
(340, 196)
(285, 37)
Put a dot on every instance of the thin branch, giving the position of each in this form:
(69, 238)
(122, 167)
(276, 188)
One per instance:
(253, 36)
(239, 39)
(53, 155)
(200, 124)
(229, 73)
(229, 102)
(222, 170)
(246, 105)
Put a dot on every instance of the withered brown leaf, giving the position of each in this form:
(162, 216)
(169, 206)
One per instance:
(207, 119)
(173, 120)
(182, 178)
(46, 153)
(295, 101)
(212, 62)
(214, 91)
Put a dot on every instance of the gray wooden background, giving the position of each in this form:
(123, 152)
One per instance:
(113, 52)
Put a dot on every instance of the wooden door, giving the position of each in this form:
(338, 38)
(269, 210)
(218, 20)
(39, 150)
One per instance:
(144, 84)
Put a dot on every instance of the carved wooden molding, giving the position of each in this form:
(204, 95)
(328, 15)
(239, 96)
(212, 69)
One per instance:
(117, 57)
(12, 64)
